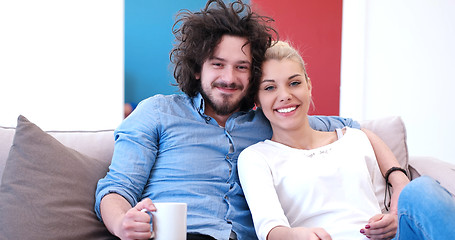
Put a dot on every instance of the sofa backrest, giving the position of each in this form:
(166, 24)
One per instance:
(393, 132)
(100, 144)
(6, 140)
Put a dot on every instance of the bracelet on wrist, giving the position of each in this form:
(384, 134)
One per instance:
(391, 170)
(388, 185)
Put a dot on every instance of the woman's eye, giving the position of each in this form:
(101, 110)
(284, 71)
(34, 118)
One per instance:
(294, 83)
(269, 88)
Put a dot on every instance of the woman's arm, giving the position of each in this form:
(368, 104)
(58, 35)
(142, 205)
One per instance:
(257, 183)
(384, 226)
(298, 233)
(386, 160)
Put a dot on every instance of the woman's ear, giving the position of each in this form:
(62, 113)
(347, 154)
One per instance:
(310, 87)
(197, 76)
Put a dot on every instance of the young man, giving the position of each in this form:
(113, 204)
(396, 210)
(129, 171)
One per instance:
(184, 148)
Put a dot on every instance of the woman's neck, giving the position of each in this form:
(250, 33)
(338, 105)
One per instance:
(303, 137)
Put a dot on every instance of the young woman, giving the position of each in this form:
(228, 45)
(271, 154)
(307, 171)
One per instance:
(307, 184)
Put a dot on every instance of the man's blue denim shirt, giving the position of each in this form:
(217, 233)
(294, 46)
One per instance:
(168, 150)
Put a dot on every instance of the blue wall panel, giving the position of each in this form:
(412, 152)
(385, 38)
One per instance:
(148, 41)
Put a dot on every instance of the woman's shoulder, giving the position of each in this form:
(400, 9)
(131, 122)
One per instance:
(260, 149)
(257, 147)
(353, 131)
(255, 156)
(355, 135)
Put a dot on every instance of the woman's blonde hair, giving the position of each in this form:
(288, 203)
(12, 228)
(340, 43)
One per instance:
(282, 50)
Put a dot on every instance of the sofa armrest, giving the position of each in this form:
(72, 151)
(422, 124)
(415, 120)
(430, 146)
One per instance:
(443, 172)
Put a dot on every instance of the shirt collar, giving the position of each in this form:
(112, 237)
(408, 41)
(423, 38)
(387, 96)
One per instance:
(199, 104)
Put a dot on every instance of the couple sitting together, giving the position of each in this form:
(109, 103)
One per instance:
(270, 173)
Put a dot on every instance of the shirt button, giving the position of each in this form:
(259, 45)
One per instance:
(226, 197)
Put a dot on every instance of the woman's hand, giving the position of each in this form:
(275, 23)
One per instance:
(381, 227)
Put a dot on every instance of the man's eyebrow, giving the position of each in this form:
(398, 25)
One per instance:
(217, 58)
(224, 60)
(245, 62)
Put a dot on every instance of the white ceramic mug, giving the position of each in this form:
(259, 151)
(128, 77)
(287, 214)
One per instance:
(169, 221)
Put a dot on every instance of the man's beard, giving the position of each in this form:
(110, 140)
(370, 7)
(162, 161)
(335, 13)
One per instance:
(225, 108)
(228, 105)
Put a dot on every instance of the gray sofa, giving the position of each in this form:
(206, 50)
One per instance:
(48, 179)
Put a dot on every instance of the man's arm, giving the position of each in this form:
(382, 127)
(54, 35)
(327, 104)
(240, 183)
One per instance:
(330, 123)
(125, 221)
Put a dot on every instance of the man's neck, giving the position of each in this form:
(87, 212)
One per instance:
(220, 119)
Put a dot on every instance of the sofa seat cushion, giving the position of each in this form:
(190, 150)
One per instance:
(47, 191)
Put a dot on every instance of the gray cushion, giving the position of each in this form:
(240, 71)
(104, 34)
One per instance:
(47, 191)
(97, 144)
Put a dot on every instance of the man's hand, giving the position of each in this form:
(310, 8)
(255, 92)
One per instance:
(136, 223)
(126, 222)
(381, 227)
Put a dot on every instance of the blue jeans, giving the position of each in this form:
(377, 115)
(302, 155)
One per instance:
(425, 211)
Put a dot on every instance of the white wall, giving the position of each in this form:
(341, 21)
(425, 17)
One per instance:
(61, 63)
(398, 58)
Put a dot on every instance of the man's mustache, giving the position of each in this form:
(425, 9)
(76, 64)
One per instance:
(222, 84)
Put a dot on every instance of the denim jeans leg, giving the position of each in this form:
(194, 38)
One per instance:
(425, 211)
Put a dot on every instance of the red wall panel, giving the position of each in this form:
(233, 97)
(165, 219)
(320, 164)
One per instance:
(314, 27)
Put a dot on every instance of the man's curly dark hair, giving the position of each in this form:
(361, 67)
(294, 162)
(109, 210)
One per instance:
(198, 33)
